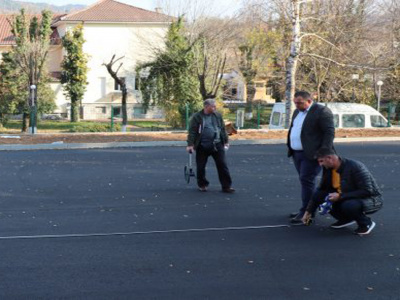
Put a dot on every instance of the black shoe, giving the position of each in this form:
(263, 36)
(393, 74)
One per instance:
(202, 188)
(342, 224)
(293, 214)
(364, 230)
(297, 220)
(228, 190)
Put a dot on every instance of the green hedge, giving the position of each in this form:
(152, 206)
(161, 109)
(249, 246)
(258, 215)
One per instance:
(95, 127)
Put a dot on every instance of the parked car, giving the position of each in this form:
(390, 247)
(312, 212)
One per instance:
(345, 115)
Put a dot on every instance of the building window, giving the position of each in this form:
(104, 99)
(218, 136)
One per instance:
(116, 111)
(101, 110)
(103, 86)
(117, 87)
(137, 83)
(234, 92)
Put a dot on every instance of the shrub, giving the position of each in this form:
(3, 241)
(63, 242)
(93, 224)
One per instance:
(95, 127)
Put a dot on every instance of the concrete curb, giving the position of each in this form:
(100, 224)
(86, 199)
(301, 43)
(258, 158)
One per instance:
(75, 146)
(72, 146)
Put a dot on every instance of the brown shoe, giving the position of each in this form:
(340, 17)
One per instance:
(202, 188)
(228, 190)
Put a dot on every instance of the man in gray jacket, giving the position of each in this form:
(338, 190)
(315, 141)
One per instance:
(351, 190)
(208, 137)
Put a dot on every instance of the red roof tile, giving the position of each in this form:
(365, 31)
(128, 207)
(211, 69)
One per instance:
(102, 11)
(114, 11)
(7, 38)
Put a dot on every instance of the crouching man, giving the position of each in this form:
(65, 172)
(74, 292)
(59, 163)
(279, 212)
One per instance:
(350, 187)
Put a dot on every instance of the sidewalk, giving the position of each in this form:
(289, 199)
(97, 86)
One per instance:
(65, 146)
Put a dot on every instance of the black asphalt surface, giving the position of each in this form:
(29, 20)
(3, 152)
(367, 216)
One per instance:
(53, 203)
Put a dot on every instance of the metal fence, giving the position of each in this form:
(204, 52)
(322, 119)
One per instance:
(255, 116)
(242, 116)
(106, 111)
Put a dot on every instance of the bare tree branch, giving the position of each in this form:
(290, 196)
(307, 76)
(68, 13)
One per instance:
(356, 66)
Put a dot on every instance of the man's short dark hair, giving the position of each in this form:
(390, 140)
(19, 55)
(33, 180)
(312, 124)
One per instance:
(323, 152)
(303, 94)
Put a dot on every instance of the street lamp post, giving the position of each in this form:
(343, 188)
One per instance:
(32, 104)
(379, 83)
(355, 77)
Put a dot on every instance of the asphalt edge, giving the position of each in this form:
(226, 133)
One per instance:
(75, 146)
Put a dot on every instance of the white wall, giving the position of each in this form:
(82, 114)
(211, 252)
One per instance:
(136, 42)
(59, 97)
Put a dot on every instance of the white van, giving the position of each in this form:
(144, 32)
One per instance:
(345, 115)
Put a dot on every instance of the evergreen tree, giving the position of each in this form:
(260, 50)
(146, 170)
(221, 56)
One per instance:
(74, 69)
(171, 83)
(10, 82)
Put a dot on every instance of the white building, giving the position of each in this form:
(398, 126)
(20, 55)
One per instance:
(235, 90)
(110, 28)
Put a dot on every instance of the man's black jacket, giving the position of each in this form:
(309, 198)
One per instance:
(356, 182)
(318, 130)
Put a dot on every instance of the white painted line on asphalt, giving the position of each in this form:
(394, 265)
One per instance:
(77, 235)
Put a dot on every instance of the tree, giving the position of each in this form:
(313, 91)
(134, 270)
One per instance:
(336, 39)
(210, 69)
(257, 53)
(391, 87)
(211, 39)
(171, 82)
(25, 65)
(214, 40)
(291, 65)
(121, 82)
(249, 71)
(14, 91)
(74, 69)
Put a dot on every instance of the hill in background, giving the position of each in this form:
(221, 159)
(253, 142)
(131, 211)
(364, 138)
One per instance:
(11, 6)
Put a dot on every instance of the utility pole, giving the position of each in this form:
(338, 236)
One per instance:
(32, 106)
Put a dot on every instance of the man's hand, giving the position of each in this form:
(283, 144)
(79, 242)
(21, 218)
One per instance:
(306, 218)
(226, 146)
(190, 149)
(334, 197)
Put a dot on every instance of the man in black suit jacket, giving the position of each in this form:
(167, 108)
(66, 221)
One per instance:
(312, 128)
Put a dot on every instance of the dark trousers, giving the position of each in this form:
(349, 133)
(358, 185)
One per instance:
(346, 210)
(308, 170)
(220, 162)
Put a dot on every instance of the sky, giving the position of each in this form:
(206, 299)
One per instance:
(147, 4)
(219, 7)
